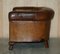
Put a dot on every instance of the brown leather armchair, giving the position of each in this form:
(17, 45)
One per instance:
(29, 24)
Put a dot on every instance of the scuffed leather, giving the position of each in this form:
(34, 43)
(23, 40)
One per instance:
(28, 24)
(33, 13)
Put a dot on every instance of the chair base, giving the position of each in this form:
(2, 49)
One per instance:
(11, 44)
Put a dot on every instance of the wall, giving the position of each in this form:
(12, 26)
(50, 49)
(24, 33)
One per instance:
(1, 19)
(59, 18)
(9, 4)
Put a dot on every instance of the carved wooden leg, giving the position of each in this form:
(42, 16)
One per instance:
(46, 44)
(11, 45)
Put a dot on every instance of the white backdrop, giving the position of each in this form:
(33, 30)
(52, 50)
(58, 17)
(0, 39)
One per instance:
(59, 18)
(9, 4)
(1, 18)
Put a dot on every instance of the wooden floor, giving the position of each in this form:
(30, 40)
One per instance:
(31, 48)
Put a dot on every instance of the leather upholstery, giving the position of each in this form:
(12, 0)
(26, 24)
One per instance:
(30, 23)
(31, 13)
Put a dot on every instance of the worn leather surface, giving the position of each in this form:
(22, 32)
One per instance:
(31, 13)
(28, 24)
(29, 30)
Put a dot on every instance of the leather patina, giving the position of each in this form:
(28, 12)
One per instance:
(29, 24)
